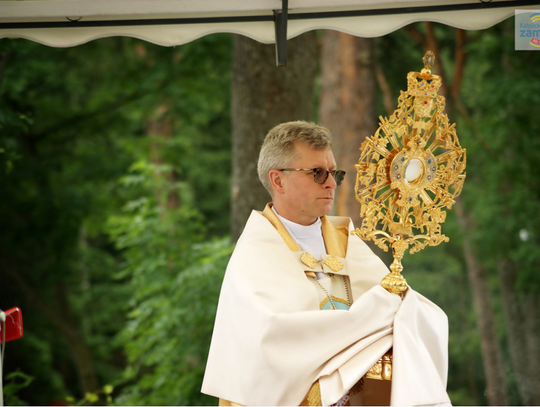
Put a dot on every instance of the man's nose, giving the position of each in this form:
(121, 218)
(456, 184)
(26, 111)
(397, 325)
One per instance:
(330, 182)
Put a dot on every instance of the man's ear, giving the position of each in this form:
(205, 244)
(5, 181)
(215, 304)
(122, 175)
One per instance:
(276, 179)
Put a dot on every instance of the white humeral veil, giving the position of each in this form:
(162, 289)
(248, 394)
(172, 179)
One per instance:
(271, 342)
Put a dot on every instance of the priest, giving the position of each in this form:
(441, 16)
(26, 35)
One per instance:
(302, 316)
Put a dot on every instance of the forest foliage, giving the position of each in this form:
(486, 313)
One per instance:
(115, 161)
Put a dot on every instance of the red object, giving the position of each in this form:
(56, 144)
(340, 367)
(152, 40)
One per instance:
(13, 325)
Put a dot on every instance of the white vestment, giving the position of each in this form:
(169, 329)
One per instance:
(271, 342)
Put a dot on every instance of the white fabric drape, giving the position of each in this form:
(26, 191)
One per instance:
(271, 341)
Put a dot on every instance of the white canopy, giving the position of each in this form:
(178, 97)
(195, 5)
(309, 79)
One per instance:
(65, 23)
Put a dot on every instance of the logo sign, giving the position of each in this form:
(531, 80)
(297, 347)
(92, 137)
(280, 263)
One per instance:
(527, 30)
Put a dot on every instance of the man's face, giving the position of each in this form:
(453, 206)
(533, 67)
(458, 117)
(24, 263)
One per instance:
(298, 198)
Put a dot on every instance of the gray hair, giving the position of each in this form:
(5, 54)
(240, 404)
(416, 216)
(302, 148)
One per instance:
(278, 149)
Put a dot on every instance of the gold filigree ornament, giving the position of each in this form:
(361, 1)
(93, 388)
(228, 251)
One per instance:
(408, 172)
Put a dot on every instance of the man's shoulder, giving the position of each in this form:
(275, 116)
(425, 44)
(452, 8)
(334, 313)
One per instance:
(257, 228)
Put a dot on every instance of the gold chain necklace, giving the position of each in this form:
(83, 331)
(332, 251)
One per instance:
(332, 303)
(335, 265)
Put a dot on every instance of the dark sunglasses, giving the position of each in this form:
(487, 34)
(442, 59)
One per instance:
(320, 175)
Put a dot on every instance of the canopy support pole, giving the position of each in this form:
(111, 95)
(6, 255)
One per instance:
(280, 24)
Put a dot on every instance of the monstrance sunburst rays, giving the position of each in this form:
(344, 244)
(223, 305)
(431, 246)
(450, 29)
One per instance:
(408, 172)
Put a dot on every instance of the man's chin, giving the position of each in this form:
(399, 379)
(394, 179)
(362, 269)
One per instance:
(327, 209)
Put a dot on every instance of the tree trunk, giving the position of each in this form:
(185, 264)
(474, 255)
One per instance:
(521, 317)
(4, 57)
(264, 96)
(160, 129)
(496, 389)
(347, 106)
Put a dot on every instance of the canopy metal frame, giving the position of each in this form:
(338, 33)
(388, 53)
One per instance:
(279, 17)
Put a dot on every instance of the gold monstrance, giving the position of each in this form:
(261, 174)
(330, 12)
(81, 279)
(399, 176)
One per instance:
(408, 172)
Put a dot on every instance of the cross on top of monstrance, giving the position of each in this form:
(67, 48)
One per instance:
(408, 172)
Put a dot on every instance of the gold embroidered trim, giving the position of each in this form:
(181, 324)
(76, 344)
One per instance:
(327, 300)
(311, 274)
(309, 260)
(334, 264)
(314, 395)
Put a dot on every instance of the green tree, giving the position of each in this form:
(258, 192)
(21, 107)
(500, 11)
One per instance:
(72, 121)
(55, 263)
(503, 196)
(175, 275)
